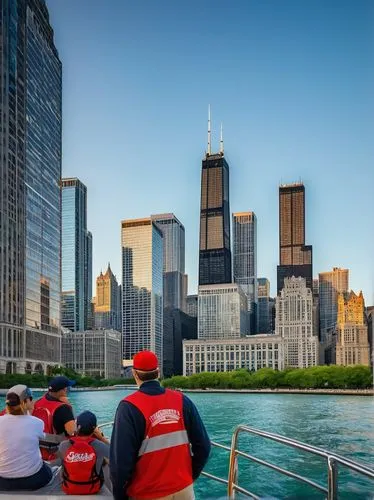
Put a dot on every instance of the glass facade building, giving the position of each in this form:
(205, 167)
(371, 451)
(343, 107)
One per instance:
(174, 283)
(76, 256)
(222, 312)
(295, 258)
(244, 226)
(264, 309)
(30, 170)
(142, 288)
(215, 249)
(175, 280)
(330, 285)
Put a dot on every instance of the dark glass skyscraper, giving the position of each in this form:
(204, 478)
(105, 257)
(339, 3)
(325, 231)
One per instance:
(76, 257)
(30, 170)
(215, 250)
(295, 258)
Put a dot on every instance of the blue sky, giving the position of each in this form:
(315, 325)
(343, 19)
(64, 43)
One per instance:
(292, 83)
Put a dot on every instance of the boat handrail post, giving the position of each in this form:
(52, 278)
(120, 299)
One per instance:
(233, 465)
(332, 478)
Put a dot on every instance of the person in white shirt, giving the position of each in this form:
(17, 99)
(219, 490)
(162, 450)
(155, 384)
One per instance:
(21, 464)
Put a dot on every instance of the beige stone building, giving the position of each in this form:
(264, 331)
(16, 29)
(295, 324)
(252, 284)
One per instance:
(352, 344)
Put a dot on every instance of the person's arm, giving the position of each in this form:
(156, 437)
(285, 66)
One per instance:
(70, 427)
(127, 436)
(98, 434)
(63, 420)
(197, 436)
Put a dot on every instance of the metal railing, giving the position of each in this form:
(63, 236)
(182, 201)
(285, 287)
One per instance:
(332, 461)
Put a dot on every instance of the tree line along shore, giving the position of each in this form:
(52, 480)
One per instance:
(317, 377)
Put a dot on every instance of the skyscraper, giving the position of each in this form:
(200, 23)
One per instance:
(106, 304)
(245, 261)
(295, 258)
(215, 250)
(76, 256)
(330, 285)
(174, 285)
(142, 272)
(294, 323)
(263, 309)
(30, 169)
(222, 312)
(352, 343)
(174, 280)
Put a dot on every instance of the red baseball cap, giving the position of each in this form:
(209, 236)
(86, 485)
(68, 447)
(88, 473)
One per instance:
(145, 361)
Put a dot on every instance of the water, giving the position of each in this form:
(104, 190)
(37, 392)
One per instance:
(343, 424)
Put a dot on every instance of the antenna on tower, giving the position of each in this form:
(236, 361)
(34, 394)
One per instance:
(221, 150)
(209, 134)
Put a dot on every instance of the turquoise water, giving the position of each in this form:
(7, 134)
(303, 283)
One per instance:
(343, 424)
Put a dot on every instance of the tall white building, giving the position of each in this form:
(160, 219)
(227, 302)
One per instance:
(142, 294)
(222, 312)
(330, 285)
(244, 226)
(294, 322)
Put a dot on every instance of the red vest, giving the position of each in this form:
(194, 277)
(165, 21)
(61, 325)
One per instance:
(164, 463)
(45, 409)
(79, 468)
(2, 412)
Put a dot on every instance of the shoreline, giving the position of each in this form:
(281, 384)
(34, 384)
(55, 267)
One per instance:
(326, 392)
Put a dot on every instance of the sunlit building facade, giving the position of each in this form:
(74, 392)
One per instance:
(294, 323)
(244, 226)
(30, 170)
(352, 341)
(142, 288)
(295, 258)
(224, 355)
(222, 312)
(107, 302)
(76, 257)
(330, 284)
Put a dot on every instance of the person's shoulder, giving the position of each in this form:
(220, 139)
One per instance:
(37, 422)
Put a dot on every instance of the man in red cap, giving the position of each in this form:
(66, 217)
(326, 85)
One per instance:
(159, 444)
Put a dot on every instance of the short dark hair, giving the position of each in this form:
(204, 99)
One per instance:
(85, 431)
(145, 376)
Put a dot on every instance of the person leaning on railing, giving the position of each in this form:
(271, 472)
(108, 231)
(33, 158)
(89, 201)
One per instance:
(21, 464)
(159, 444)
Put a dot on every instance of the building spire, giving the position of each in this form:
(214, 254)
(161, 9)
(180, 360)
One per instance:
(209, 152)
(221, 150)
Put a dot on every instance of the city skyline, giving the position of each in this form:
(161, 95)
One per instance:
(315, 131)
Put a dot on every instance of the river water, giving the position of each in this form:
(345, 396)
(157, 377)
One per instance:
(343, 424)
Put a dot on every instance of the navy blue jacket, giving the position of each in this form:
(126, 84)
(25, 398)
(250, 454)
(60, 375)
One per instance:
(129, 431)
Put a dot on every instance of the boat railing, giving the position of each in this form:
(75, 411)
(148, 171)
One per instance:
(332, 462)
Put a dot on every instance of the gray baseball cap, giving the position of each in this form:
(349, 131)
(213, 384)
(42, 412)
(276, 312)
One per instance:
(17, 394)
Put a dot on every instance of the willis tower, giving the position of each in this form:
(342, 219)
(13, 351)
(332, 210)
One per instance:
(215, 249)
